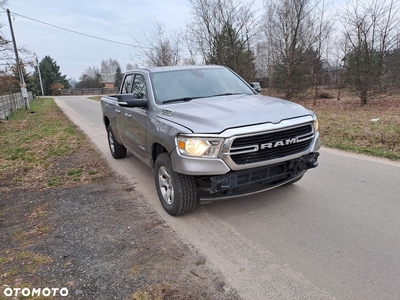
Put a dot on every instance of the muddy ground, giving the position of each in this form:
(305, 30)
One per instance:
(97, 238)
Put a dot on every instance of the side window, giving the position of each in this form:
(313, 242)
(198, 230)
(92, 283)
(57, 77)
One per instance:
(139, 87)
(126, 86)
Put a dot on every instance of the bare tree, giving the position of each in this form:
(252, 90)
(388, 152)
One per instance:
(159, 49)
(190, 47)
(109, 66)
(90, 78)
(262, 60)
(130, 66)
(371, 30)
(5, 46)
(340, 48)
(7, 58)
(293, 31)
(7, 80)
(323, 29)
(218, 27)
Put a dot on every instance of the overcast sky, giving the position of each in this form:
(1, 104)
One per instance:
(117, 20)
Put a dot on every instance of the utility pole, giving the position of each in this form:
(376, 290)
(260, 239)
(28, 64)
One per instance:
(40, 76)
(22, 84)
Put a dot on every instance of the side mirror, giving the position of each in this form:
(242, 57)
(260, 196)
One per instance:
(127, 100)
(256, 86)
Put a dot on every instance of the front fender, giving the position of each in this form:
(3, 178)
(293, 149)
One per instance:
(163, 133)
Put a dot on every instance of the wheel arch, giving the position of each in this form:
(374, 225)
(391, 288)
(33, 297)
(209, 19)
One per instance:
(106, 121)
(156, 150)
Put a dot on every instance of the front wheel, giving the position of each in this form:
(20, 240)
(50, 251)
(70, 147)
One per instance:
(177, 192)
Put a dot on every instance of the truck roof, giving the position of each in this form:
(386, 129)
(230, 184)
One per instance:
(176, 68)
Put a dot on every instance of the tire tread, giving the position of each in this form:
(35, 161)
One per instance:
(119, 150)
(185, 187)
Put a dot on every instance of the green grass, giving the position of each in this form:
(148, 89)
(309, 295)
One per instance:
(346, 126)
(75, 172)
(55, 181)
(37, 137)
(95, 98)
(40, 148)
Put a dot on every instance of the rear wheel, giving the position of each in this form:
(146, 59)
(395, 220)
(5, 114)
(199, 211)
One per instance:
(177, 192)
(117, 150)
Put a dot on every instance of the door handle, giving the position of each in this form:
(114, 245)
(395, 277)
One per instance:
(118, 111)
(128, 115)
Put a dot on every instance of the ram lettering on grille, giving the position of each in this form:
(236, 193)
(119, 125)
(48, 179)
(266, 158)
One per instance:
(279, 143)
(271, 145)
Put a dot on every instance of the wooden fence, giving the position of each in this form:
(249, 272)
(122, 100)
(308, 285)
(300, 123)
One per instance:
(89, 91)
(11, 102)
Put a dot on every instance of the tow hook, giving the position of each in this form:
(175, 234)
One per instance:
(312, 160)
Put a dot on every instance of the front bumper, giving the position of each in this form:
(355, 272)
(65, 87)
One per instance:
(197, 165)
(251, 181)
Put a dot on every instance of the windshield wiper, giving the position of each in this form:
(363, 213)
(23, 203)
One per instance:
(186, 99)
(179, 99)
(225, 94)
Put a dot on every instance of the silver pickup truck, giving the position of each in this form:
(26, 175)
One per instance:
(208, 135)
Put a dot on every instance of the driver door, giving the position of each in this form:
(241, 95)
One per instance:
(135, 121)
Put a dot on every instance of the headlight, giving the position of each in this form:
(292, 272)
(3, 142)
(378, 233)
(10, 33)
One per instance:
(316, 125)
(199, 146)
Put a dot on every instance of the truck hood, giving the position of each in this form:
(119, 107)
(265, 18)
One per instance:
(216, 114)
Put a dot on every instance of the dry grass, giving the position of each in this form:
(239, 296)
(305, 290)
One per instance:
(345, 125)
(40, 149)
(160, 292)
(34, 144)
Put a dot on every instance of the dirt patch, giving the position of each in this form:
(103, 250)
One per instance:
(97, 238)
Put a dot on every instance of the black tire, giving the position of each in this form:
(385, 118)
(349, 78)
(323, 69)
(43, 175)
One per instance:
(177, 192)
(117, 150)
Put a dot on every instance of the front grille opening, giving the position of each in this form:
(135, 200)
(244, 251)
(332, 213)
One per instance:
(272, 137)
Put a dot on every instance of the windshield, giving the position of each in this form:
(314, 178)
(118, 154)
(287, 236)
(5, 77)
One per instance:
(188, 84)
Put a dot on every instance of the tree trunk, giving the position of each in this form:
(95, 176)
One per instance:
(364, 98)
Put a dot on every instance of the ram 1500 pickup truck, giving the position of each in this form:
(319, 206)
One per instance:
(207, 134)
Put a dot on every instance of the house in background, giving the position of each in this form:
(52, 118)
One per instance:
(108, 80)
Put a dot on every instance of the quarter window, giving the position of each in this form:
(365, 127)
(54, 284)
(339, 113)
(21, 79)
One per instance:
(127, 85)
(139, 87)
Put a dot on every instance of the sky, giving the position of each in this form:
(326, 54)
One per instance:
(118, 20)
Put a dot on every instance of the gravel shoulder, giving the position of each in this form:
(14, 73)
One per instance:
(99, 239)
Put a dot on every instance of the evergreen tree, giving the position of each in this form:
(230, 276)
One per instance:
(51, 75)
(294, 79)
(232, 51)
(118, 78)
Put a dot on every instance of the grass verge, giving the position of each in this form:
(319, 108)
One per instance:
(373, 129)
(41, 149)
(34, 142)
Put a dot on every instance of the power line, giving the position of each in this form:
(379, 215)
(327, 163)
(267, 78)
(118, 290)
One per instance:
(84, 34)
(87, 35)
(73, 31)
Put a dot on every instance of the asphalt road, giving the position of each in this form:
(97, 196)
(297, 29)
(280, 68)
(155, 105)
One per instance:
(333, 235)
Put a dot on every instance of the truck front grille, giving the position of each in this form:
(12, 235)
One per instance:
(272, 145)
